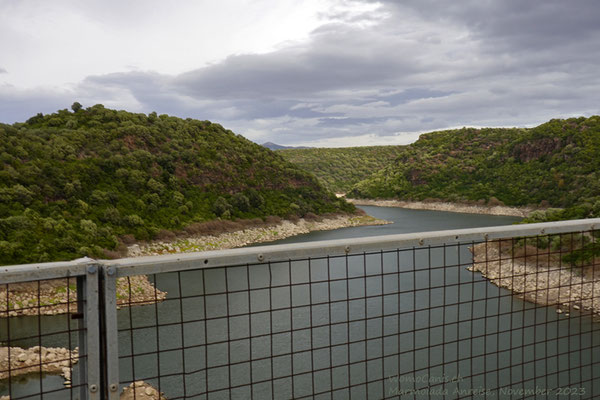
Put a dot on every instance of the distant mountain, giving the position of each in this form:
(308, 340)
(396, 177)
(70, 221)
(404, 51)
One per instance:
(76, 183)
(275, 146)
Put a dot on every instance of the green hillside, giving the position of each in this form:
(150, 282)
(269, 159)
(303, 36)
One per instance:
(555, 164)
(341, 168)
(74, 183)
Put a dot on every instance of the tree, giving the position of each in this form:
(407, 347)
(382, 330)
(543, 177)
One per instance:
(241, 202)
(76, 106)
(221, 206)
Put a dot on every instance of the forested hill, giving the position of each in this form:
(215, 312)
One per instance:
(555, 164)
(341, 168)
(73, 183)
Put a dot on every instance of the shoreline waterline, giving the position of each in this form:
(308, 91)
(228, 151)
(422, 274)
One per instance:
(447, 206)
(542, 281)
(245, 237)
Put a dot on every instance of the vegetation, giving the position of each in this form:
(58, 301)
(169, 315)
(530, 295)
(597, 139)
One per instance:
(341, 168)
(555, 164)
(78, 183)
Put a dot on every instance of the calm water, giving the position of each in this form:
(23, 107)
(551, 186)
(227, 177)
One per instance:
(508, 338)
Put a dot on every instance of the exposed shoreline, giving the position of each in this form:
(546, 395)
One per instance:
(229, 240)
(447, 206)
(538, 279)
(52, 360)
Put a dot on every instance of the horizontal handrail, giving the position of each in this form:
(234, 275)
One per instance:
(337, 247)
(43, 271)
(285, 252)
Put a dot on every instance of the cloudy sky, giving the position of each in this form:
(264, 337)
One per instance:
(316, 72)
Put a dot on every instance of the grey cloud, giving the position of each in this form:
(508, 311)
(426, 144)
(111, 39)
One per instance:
(514, 24)
(147, 87)
(338, 57)
(341, 122)
(18, 106)
(411, 94)
(3, 71)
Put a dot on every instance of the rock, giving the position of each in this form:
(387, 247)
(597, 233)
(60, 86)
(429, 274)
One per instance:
(30, 360)
(33, 358)
(558, 310)
(576, 307)
(141, 390)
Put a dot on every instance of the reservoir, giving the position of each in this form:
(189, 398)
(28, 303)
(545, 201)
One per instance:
(476, 336)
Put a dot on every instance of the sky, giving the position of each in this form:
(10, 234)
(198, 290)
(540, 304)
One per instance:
(330, 73)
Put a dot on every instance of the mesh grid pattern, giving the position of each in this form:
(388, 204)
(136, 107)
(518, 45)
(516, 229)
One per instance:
(404, 323)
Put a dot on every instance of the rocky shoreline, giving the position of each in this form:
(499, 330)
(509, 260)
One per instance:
(447, 206)
(245, 237)
(53, 360)
(539, 279)
(59, 296)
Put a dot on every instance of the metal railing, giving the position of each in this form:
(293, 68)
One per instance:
(398, 316)
(29, 296)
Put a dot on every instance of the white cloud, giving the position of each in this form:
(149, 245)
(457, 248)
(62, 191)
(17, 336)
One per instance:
(66, 40)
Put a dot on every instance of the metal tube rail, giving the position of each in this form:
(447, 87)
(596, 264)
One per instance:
(284, 252)
(275, 253)
(43, 271)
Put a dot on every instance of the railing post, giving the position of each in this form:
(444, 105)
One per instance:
(111, 332)
(91, 322)
(83, 361)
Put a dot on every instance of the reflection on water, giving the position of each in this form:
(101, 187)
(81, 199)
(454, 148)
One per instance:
(402, 321)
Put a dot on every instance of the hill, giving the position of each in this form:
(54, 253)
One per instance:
(78, 183)
(341, 168)
(555, 164)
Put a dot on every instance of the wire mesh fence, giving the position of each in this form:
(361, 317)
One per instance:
(41, 326)
(417, 322)
(495, 313)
